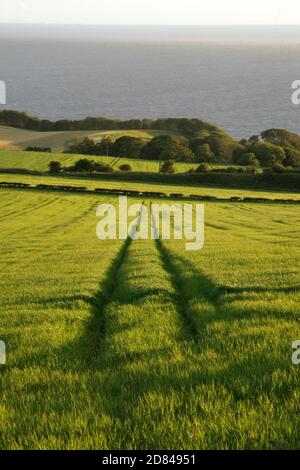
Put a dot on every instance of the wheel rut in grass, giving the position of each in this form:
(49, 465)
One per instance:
(179, 295)
(192, 287)
(104, 297)
(180, 298)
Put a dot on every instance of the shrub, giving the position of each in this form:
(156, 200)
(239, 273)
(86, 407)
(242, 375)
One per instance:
(202, 168)
(292, 157)
(278, 168)
(89, 166)
(125, 167)
(247, 159)
(103, 168)
(268, 153)
(84, 165)
(55, 167)
(252, 169)
(202, 151)
(168, 167)
(38, 149)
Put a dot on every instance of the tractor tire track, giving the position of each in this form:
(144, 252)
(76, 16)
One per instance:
(180, 299)
(104, 297)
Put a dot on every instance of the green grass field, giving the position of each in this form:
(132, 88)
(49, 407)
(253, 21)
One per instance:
(141, 344)
(21, 138)
(39, 161)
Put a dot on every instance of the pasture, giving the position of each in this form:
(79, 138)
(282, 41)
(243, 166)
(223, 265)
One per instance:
(141, 344)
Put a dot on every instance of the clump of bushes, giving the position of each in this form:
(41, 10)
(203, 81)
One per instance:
(167, 167)
(83, 165)
(125, 167)
(248, 159)
(278, 168)
(252, 169)
(90, 166)
(55, 167)
(61, 188)
(38, 149)
(203, 168)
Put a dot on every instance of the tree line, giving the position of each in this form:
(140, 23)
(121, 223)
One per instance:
(22, 120)
(212, 147)
(203, 142)
(275, 148)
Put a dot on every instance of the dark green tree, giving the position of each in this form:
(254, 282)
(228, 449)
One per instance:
(167, 167)
(127, 146)
(248, 159)
(84, 165)
(167, 147)
(268, 153)
(292, 157)
(105, 147)
(55, 167)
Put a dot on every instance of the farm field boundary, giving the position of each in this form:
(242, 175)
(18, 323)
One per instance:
(146, 194)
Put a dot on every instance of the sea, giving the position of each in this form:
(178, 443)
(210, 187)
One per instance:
(239, 78)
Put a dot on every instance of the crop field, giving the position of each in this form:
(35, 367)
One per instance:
(186, 190)
(141, 344)
(22, 138)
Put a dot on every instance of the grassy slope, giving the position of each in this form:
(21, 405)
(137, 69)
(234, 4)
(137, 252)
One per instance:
(187, 350)
(168, 189)
(21, 138)
(39, 161)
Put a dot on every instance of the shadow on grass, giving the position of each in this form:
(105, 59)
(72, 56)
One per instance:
(118, 383)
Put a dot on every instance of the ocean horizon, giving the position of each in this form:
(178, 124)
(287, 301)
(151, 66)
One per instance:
(215, 73)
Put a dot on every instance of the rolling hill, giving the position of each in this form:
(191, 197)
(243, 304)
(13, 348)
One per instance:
(11, 137)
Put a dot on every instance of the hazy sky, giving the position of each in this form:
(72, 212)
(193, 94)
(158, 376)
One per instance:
(151, 11)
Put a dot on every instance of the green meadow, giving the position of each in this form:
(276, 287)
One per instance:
(39, 161)
(142, 344)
